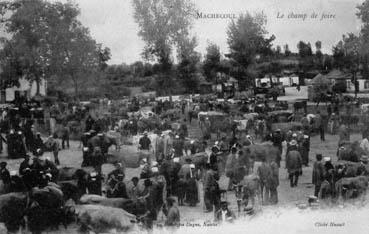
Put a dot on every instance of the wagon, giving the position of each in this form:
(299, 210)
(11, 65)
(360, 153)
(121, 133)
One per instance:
(283, 120)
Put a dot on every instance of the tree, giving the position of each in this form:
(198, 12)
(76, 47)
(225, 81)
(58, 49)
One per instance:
(187, 67)
(346, 53)
(304, 49)
(287, 51)
(318, 45)
(163, 23)
(247, 41)
(278, 50)
(48, 40)
(363, 15)
(211, 64)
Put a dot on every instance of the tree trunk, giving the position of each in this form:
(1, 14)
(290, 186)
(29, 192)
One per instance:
(76, 89)
(37, 86)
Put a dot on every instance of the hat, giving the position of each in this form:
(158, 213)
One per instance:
(176, 160)
(49, 175)
(177, 136)
(216, 143)
(85, 149)
(145, 133)
(38, 133)
(224, 203)
(47, 158)
(327, 159)
(93, 174)
(13, 173)
(154, 163)
(192, 166)
(154, 169)
(306, 136)
(87, 133)
(100, 134)
(293, 142)
(278, 130)
(294, 135)
(92, 131)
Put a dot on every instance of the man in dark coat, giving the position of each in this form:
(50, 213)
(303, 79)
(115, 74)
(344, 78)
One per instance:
(277, 139)
(178, 146)
(89, 123)
(213, 159)
(305, 149)
(318, 174)
(293, 164)
(211, 189)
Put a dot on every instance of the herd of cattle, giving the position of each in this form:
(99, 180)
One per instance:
(63, 201)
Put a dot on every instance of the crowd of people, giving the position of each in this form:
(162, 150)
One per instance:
(174, 167)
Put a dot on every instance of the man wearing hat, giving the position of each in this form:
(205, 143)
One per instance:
(293, 163)
(144, 145)
(38, 143)
(178, 146)
(211, 189)
(119, 190)
(84, 139)
(213, 159)
(89, 123)
(187, 172)
(277, 139)
(113, 176)
(305, 149)
(224, 214)
(318, 174)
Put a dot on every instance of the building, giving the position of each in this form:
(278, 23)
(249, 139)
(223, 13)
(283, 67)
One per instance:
(26, 89)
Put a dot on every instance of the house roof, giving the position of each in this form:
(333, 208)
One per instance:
(320, 79)
(338, 75)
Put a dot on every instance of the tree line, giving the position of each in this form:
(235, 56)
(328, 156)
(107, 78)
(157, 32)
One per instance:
(45, 40)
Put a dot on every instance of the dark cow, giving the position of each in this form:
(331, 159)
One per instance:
(353, 187)
(12, 210)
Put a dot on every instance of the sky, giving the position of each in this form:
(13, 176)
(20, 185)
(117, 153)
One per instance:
(111, 23)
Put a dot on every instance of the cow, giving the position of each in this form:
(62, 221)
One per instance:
(133, 207)
(102, 219)
(352, 187)
(12, 210)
